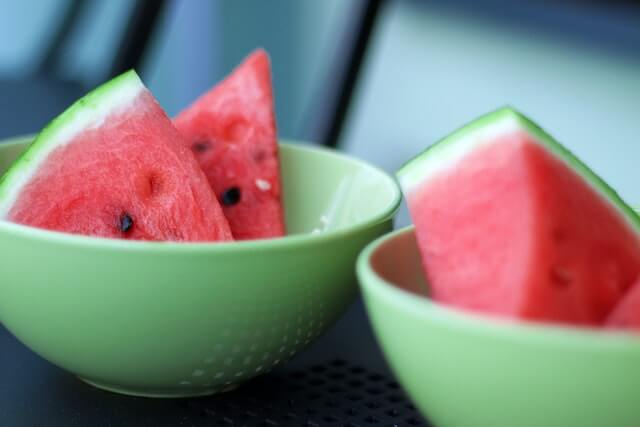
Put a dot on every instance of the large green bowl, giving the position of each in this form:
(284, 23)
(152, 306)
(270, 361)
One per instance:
(466, 370)
(183, 319)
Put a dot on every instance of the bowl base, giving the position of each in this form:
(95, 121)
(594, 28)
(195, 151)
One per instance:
(168, 393)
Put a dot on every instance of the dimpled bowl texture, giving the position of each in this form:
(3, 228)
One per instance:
(469, 370)
(183, 319)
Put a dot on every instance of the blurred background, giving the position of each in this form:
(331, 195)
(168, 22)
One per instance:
(427, 66)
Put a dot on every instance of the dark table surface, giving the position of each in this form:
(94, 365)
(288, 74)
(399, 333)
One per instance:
(333, 370)
(33, 392)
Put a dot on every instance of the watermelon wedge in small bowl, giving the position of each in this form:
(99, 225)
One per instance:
(83, 284)
(513, 301)
(464, 369)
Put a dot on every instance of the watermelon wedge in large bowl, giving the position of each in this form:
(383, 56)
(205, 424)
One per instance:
(180, 319)
(171, 318)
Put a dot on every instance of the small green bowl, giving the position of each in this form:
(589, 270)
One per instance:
(468, 370)
(184, 319)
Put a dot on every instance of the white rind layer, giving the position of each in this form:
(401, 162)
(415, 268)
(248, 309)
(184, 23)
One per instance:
(441, 158)
(446, 153)
(87, 113)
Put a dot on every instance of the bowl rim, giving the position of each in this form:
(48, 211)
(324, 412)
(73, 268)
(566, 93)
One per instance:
(422, 307)
(289, 241)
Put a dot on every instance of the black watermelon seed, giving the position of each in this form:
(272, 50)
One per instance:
(200, 146)
(231, 196)
(126, 222)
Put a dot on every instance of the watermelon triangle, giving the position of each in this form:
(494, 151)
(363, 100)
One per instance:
(511, 223)
(113, 165)
(232, 131)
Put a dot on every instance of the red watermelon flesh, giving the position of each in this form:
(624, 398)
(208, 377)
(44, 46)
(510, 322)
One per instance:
(626, 314)
(127, 175)
(511, 229)
(232, 131)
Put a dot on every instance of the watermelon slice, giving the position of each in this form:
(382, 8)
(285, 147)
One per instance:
(509, 222)
(626, 315)
(232, 131)
(113, 165)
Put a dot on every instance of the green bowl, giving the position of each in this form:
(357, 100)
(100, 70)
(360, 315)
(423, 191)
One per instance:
(467, 370)
(184, 319)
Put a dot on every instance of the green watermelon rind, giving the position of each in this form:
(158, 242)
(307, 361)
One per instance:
(83, 113)
(415, 171)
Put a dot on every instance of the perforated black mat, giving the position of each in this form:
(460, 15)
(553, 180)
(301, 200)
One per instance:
(333, 394)
(349, 390)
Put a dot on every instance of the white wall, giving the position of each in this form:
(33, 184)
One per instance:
(434, 71)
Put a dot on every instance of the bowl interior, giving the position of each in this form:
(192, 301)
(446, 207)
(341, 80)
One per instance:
(397, 261)
(10, 150)
(323, 190)
(392, 267)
